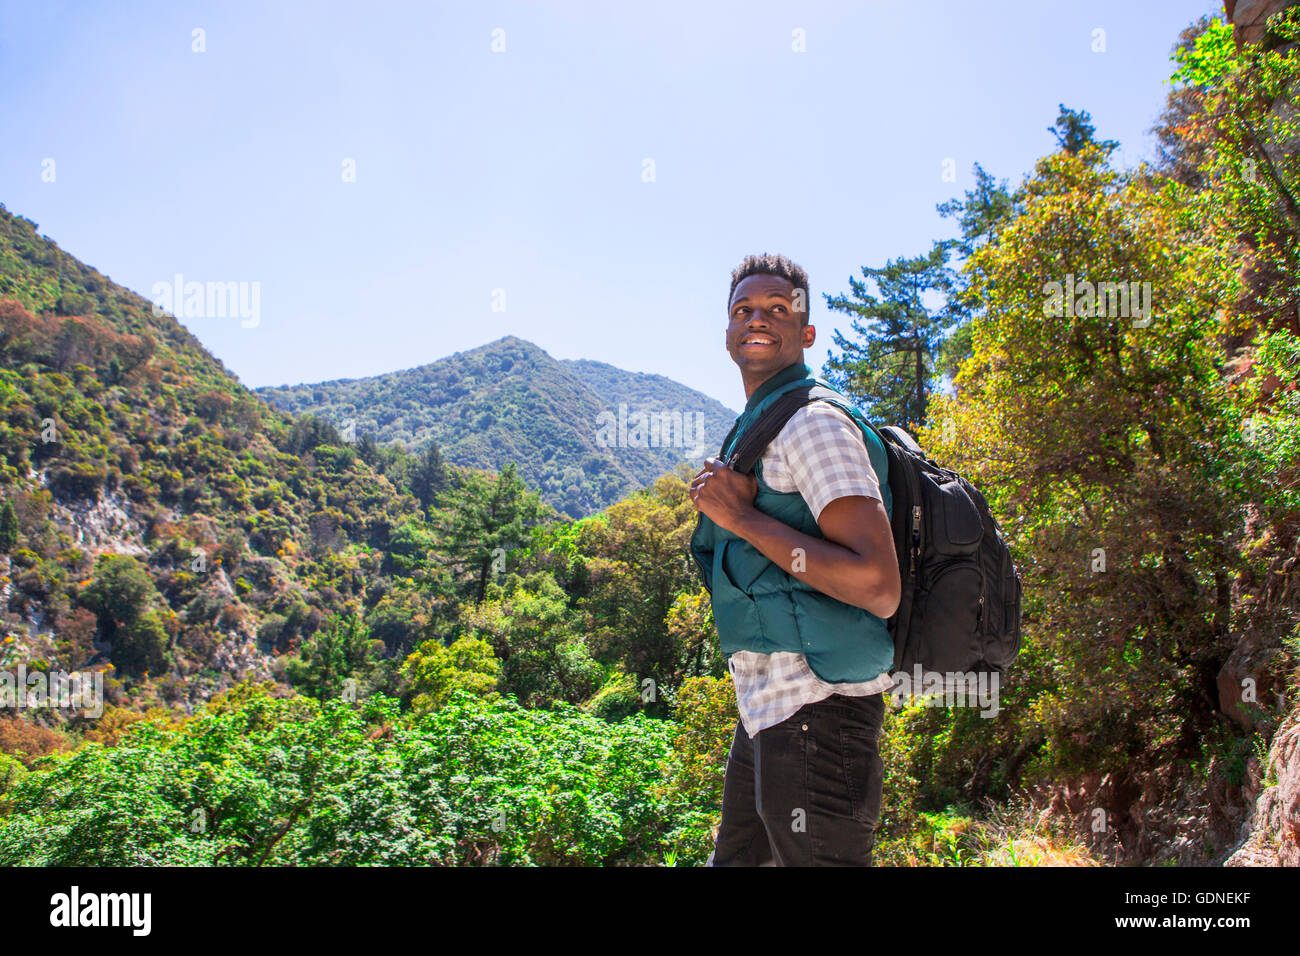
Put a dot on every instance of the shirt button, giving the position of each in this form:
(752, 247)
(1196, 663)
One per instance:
(805, 726)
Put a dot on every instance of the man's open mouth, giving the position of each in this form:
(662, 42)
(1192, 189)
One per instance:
(757, 342)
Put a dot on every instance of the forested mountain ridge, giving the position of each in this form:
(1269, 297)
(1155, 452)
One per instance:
(168, 531)
(510, 401)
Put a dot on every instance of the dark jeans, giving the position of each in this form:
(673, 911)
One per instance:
(805, 792)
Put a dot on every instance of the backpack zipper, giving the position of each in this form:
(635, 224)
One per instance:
(916, 537)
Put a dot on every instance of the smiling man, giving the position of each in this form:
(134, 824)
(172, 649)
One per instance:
(799, 559)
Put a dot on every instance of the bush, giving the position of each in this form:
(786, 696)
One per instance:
(256, 780)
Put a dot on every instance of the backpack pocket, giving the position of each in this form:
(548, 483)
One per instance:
(956, 525)
(946, 619)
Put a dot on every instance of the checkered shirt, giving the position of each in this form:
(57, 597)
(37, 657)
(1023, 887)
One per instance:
(821, 454)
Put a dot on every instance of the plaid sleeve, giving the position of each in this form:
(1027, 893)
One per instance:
(826, 456)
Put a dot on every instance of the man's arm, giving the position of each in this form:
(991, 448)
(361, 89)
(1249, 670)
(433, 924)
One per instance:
(855, 561)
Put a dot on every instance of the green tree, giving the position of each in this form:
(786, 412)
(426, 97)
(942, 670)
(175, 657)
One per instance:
(341, 659)
(1074, 130)
(979, 214)
(888, 363)
(691, 627)
(706, 716)
(1249, 133)
(121, 595)
(8, 525)
(543, 652)
(484, 516)
(639, 561)
(429, 477)
(436, 671)
(1126, 569)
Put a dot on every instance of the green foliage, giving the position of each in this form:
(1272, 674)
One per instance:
(692, 630)
(639, 562)
(8, 525)
(340, 660)
(706, 715)
(538, 639)
(482, 519)
(1100, 477)
(435, 672)
(120, 592)
(888, 368)
(979, 214)
(1272, 400)
(1210, 60)
(1074, 131)
(11, 773)
(122, 595)
(255, 780)
(140, 645)
(1249, 129)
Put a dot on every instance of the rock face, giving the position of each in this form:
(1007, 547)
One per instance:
(1249, 16)
(104, 524)
(1248, 682)
(1271, 835)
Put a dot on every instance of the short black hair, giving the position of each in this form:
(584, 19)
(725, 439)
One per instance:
(773, 265)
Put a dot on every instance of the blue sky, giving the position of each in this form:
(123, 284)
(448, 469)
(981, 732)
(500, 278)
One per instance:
(523, 170)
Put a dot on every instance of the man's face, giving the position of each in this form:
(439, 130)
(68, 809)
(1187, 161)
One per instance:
(764, 332)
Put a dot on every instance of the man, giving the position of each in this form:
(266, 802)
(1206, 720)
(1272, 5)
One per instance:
(800, 562)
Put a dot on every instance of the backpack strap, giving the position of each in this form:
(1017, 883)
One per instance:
(755, 439)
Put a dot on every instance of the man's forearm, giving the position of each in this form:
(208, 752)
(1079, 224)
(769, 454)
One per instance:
(827, 566)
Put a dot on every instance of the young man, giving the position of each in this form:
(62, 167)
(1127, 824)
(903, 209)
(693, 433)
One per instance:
(800, 562)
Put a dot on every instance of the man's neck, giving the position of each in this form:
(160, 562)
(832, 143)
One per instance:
(754, 391)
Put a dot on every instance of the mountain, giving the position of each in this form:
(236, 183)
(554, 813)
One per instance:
(165, 525)
(583, 433)
(156, 516)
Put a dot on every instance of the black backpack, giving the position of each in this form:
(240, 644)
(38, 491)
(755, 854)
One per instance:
(960, 606)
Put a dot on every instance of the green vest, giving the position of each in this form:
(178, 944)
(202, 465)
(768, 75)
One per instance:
(758, 605)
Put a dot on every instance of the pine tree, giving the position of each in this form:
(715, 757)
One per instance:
(887, 370)
(482, 518)
(979, 215)
(429, 476)
(8, 525)
(1074, 130)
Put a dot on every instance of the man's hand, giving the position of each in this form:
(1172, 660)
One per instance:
(853, 561)
(723, 494)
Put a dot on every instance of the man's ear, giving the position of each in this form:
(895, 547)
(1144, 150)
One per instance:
(809, 336)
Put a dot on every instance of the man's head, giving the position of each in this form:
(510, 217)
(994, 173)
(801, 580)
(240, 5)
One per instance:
(767, 317)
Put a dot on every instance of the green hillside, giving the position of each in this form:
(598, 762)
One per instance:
(509, 401)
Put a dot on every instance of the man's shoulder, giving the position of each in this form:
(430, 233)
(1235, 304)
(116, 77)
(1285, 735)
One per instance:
(820, 418)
